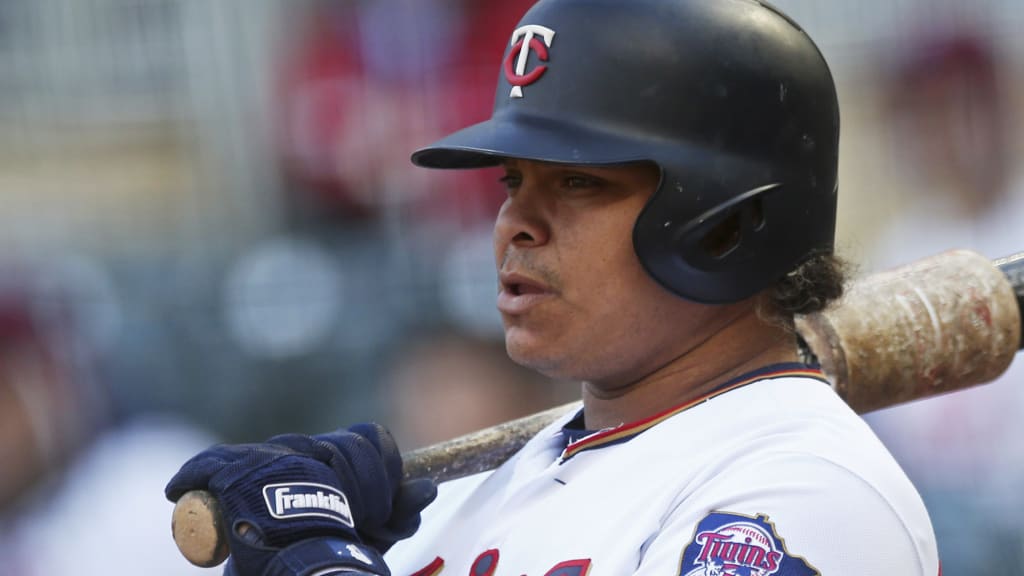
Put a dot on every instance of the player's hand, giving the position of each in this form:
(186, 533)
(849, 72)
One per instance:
(298, 504)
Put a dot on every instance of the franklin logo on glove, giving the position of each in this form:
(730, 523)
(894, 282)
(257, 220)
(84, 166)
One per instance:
(298, 499)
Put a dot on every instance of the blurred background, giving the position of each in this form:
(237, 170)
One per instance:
(210, 231)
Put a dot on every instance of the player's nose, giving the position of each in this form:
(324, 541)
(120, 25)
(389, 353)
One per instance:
(522, 221)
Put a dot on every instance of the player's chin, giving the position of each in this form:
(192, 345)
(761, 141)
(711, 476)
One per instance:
(529, 349)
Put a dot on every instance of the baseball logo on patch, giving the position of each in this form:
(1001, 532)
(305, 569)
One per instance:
(728, 544)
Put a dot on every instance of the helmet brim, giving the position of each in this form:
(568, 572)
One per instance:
(529, 138)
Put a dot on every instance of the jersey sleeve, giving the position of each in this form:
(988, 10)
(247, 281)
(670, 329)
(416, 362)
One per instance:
(793, 515)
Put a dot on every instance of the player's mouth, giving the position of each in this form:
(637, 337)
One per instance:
(519, 293)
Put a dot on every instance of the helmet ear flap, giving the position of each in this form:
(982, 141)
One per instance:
(727, 235)
(728, 231)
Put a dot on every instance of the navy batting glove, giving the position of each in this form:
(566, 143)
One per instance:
(366, 458)
(299, 504)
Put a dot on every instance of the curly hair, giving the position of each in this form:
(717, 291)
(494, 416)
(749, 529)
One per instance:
(810, 287)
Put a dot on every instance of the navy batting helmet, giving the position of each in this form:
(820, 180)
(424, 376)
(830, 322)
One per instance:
(730, 98)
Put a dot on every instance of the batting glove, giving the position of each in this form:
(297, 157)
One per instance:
(296, 504)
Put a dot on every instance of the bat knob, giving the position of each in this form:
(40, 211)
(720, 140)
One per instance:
(198, 529)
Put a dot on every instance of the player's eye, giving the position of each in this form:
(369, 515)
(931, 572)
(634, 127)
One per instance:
(510, 181)
(580, 181)
(582, 184)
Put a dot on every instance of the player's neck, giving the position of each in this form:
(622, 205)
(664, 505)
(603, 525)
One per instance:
(746, 344)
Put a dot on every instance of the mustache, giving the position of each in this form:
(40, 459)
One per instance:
(526, 264)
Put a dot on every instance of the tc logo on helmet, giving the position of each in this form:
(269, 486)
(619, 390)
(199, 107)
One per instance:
(525, 39)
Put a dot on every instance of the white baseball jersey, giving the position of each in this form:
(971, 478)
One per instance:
(771, 474)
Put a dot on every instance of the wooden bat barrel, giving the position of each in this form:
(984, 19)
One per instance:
(937, 325)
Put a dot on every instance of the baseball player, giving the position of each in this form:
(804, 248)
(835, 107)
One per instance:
(671, 176)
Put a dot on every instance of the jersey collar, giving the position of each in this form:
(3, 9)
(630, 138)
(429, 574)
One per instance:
(580, 440)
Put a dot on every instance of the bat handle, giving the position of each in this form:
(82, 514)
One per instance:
(198, 529)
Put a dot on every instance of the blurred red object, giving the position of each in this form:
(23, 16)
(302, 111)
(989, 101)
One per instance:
(42, 418)
(365, 84)
(946, 94)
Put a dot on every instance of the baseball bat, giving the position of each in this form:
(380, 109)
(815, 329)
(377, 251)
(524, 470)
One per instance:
(937, 325)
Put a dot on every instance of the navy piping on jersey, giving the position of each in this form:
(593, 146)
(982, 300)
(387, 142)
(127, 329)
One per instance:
(579, 439)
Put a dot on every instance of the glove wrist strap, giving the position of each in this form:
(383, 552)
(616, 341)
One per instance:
(321, 555)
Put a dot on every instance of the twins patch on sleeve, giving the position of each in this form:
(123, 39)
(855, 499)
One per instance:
(728, 544)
